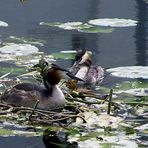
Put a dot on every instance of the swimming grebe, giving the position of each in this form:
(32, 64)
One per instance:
(50, 96)
(83, 69)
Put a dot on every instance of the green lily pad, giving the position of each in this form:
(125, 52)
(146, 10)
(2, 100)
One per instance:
(96, 30)
(79, 26)
(6, 132)
(136, 88)
(11, 70)
(63, 55)
(51, 24)
(23, 40)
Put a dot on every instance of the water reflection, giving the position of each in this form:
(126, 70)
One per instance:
(141, 38)
(88, 41)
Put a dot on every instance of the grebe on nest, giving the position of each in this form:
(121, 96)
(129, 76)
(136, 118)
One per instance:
(83, 69)
(50, 96)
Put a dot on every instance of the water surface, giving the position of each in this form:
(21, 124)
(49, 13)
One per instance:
(123, 47)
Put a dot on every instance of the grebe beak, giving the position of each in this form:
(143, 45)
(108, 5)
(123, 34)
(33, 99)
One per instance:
(73, 77)
(67, 72)
(58, 67)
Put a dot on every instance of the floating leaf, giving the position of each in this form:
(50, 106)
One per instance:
(114, 22)
(103, 120)
(135, 92)
(18, 50)
(79, 26)
(5, 132)
(22, 54)
(136, 88)
(51, 24)
(63, 55)
(96, 30)
(130, 72)
(66, 26)
(7, 70)
(3, 24)
(70, 25)
(23, 40)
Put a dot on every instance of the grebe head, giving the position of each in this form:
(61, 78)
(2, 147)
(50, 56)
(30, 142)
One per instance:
(79, 54)
(55, 74)
(83, 57)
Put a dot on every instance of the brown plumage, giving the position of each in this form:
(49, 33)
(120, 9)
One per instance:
(83, 69)
(50, 95)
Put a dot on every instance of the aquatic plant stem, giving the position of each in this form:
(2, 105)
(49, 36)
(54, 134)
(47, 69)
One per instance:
(35, 106)
(110, 101)
(10, 108)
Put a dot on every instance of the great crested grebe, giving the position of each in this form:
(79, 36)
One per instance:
(83, 69)
(50, 96)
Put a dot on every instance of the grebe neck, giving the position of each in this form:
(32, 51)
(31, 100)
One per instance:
(47, 85)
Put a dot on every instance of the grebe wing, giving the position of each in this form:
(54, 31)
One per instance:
(95, 74)
(28, 87)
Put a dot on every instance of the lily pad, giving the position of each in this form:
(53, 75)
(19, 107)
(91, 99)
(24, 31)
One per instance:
(3, 24)
(51, 24)
(94, 29)
(79, 26)
(18, 50)
(23, 40)
(136, 88)
(6, 132)
(103, 120)
(63, 55)
(130, 72)
(71, 25)
(11, 51)
(22, 54)
(135, 92)
(114, 22)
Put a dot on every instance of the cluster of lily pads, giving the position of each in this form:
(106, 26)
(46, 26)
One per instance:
(117, 119)
(24, 51)
(93, 26)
